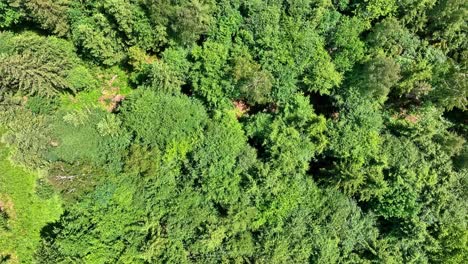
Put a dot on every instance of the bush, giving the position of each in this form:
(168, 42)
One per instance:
(73, 180)
(89, 136)
(3, 220)
(9, 16)
(43, 189)
(41, 105)
(158, 119)
(80, 78)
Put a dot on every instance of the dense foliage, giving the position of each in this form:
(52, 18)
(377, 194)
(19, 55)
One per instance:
(233, 131)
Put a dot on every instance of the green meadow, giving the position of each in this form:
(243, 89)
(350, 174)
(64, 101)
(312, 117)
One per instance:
(27, 213)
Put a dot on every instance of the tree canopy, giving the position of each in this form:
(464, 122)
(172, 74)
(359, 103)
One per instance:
(233, 131)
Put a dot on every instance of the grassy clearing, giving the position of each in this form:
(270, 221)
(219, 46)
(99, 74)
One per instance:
(110, 82)
(27, 213)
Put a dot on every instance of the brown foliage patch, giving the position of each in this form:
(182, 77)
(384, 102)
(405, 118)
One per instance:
(241, 108)
(335, 116)
(110, 97)
(411, 118)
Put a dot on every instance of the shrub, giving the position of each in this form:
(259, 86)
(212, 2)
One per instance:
(41, 105)
(80, 78)
(158, 119)
(3, 220)
(43, 189)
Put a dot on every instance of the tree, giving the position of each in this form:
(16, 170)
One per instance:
(97, 41)
(345, 45)
(218, 158)
(76, 237)
(390, 37)
(447, 21)
(415, 14)
(34, 65)
(289, 47)
(236, 131)
(9, 15)
(191, 20)
(373, 9)
(377, 77)
(291, 139)
(160, 120)
(29, 75)
(450, 86)
(208, 72)
(131, 20)
(49, 15)
(422, 185)
(355, 148)
(170, 73)
(184, 20)
(254, 84)
(28, 135)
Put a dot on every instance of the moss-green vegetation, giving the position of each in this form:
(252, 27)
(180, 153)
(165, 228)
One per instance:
(104, 85)
(233, 131)
(26, 212)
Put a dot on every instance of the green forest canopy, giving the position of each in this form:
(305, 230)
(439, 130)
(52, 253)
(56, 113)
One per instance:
(233, 131)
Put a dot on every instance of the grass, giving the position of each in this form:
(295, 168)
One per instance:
(27, 212)
(111, 81)
(81, 100)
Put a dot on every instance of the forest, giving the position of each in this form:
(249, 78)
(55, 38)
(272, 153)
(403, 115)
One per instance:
(233, 131)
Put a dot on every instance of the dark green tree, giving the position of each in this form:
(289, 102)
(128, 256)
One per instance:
(377, 77)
